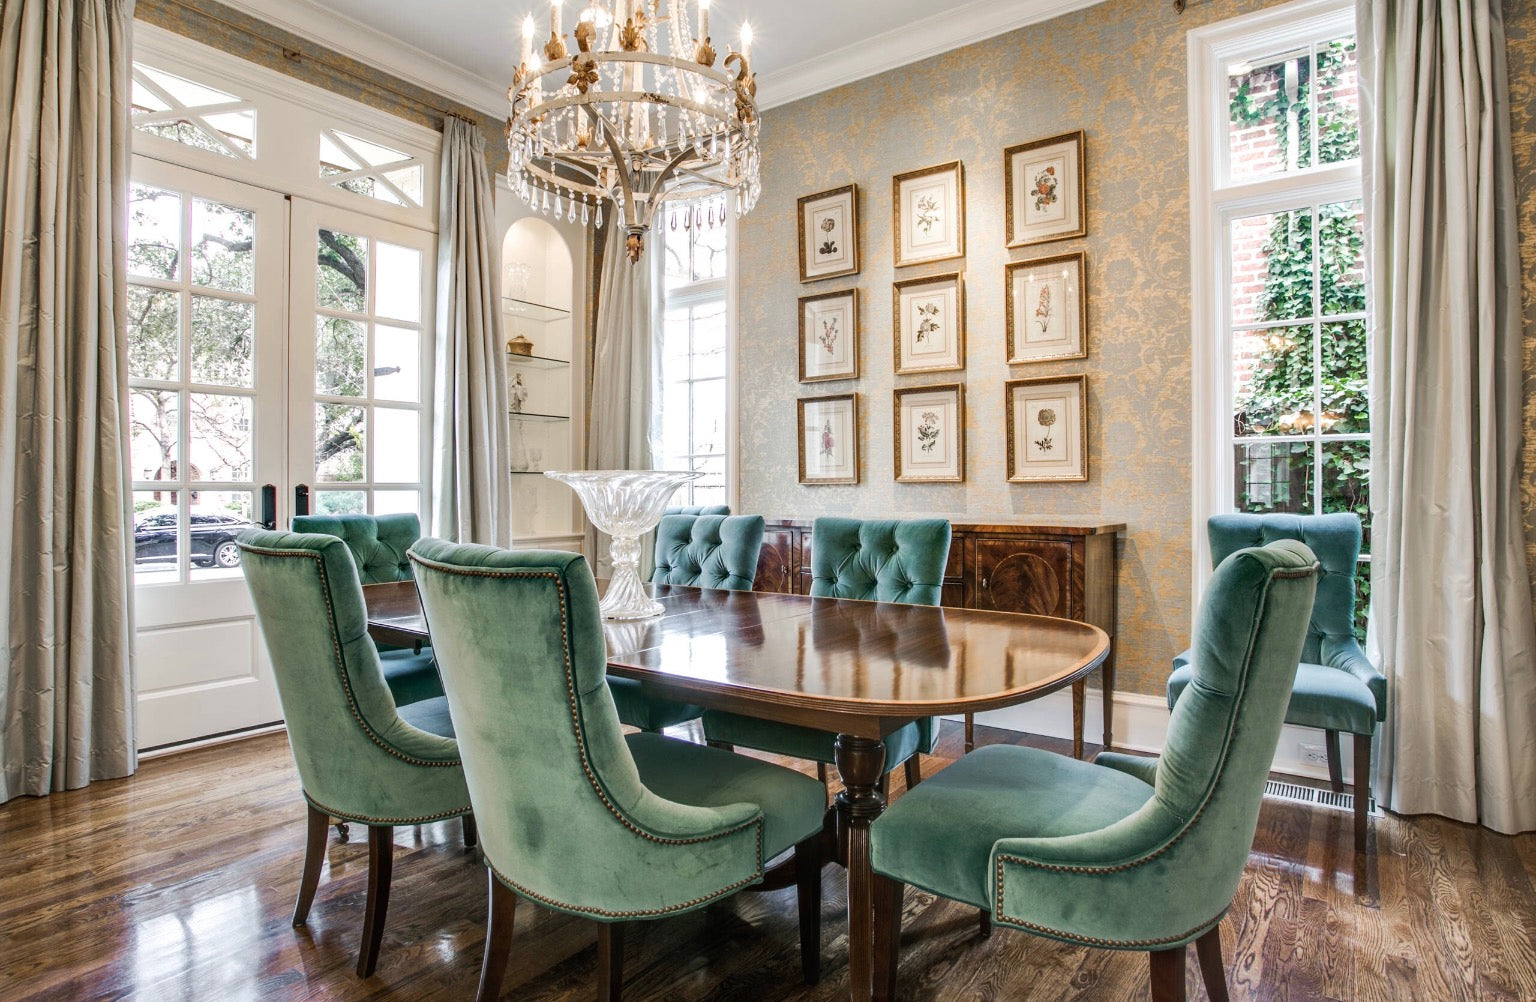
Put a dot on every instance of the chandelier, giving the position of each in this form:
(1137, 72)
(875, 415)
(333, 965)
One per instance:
(636, 117)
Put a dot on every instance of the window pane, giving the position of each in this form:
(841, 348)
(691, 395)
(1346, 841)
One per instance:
(1272, 267)
(222, 240)
(341, 272)
(396, 503)
(396, 445)
(155, 417)
(339, 442)
(154, 536)
(340, 350)
(399, 290)
(1338, 101)
(340, 503)
(222, 443)
(708, 417)
(709, 341)
(1272, 392)
(396, 364)
(223, 341)
(1341, 253)
(712, 483)
(154, 333)
(1268, 130)
(709, 249)
(154, 232)
(217, 518)
(1346, 487)
(408, 181)
(1273, 476)
(675, 244)
(1345, 381)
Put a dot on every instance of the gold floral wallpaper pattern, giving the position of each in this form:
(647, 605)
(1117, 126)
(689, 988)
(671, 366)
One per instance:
(1117, 71)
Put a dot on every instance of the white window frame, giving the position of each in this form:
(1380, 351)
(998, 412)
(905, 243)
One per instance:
(1215, 200)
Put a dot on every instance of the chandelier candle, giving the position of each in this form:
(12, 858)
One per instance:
(636, 117)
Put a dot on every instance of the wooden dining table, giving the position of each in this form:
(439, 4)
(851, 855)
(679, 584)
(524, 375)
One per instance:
(857, 669)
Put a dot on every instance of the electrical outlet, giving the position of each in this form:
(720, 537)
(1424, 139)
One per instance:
(1314, 754)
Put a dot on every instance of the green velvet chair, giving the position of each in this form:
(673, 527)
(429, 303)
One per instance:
(699, 551)
(698, 509)
(1337, 688)
(360, 757)
(574, 814)
(1124, 853)
(378, 544)
(874, 560)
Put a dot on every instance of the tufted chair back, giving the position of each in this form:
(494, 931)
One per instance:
(378, 542)
(708, 551)
(886, 560)
(698, 509)
(1335, 539)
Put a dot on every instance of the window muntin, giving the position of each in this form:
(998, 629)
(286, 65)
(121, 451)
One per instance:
(192, 114)
(1293, 110)
(369, 169)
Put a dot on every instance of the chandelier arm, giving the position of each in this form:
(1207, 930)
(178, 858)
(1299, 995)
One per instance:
(631, 203)
(533, 112)
(607, 57)
(659, 190)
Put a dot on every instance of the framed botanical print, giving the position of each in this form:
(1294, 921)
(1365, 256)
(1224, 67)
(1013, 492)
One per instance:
(929, 214)
(1045, 186)
(829, 336)
(929, 424)
(1047, 308)
(829, 234)
(928, 323)
(829, 439)
(1047, 429)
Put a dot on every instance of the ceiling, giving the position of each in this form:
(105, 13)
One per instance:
(466, 48)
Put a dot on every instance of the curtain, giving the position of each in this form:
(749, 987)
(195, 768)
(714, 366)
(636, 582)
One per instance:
(1452, 621)
(66, 666)
(471, 465)
(621, 434)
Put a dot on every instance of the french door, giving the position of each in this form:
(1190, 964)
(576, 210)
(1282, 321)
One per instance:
(279, 361)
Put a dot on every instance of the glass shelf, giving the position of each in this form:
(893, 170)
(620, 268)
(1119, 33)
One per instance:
(526, 416)
(536, 361)
(525, 310)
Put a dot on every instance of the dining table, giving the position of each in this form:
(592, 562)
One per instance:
(858, 669)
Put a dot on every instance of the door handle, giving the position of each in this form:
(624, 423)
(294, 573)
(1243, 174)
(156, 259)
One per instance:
(301, 499)
(268, 507)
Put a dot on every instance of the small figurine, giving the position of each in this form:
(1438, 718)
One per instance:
(518, 392)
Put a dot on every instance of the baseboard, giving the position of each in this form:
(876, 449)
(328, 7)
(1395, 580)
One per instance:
(1141, 725)
(162, 751)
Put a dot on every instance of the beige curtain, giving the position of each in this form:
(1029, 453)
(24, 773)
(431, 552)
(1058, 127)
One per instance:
(471, 465)
(1452, 616)
(66, 664)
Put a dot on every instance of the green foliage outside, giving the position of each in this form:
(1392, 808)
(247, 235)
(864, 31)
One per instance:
(1279, 399)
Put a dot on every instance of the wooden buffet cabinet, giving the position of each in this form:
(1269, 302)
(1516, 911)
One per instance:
(1047, 568)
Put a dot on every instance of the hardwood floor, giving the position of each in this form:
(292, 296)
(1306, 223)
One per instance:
(179, 884)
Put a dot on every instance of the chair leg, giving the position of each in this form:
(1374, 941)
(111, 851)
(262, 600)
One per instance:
(1362, 787)
(722, 745)
(886, 947)
(1167, 975)
(610, 961)
(314, 855)
(1335, 768)
(984, 922)
(808, 860)
(884, 786)
(1208, 949)
(1079, 704)
(821, 772)
(500, 912)
(914, 771)
(471, 833)
(970, 733)
(381, 862)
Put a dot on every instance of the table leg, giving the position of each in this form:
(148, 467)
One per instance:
(861, 763)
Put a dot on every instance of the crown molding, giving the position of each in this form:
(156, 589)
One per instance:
(382, 51)
(937, 33)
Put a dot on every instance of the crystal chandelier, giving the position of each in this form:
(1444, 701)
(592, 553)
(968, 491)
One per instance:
(637, 116)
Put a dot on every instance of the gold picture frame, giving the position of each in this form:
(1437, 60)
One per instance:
(937, 317)
(1054, 306)
(1041, 169)
(840, 341)
(830, 213)
(928, 433)
(833, 422)
(933, 227)
(1036, 455)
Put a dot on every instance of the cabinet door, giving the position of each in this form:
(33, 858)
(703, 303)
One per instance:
(776, 562)
(1039, 576)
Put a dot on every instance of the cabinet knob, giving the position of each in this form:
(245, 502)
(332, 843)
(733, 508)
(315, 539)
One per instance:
(984, 584)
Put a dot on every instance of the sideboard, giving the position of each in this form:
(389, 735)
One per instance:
(1048, 568)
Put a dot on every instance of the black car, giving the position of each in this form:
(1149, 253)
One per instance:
(213, 538)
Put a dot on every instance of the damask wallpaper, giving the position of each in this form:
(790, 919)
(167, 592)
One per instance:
(1117, 71)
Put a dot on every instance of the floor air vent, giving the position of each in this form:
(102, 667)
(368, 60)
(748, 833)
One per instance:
(1299, 794)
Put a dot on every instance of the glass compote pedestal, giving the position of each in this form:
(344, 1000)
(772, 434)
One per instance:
(625, 504)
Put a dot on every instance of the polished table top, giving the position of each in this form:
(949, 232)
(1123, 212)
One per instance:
(840, 664)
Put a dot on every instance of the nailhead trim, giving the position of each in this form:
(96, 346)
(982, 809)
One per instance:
(1118, 944)
(339, 661)
(365, 819)
(725, 891)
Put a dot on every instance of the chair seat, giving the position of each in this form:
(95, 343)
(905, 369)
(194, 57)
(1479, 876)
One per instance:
(939, 835)
(411, 677)
(792, 802)
(807, 742)
(430, 715)
(647, 712)
(1327, 698)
